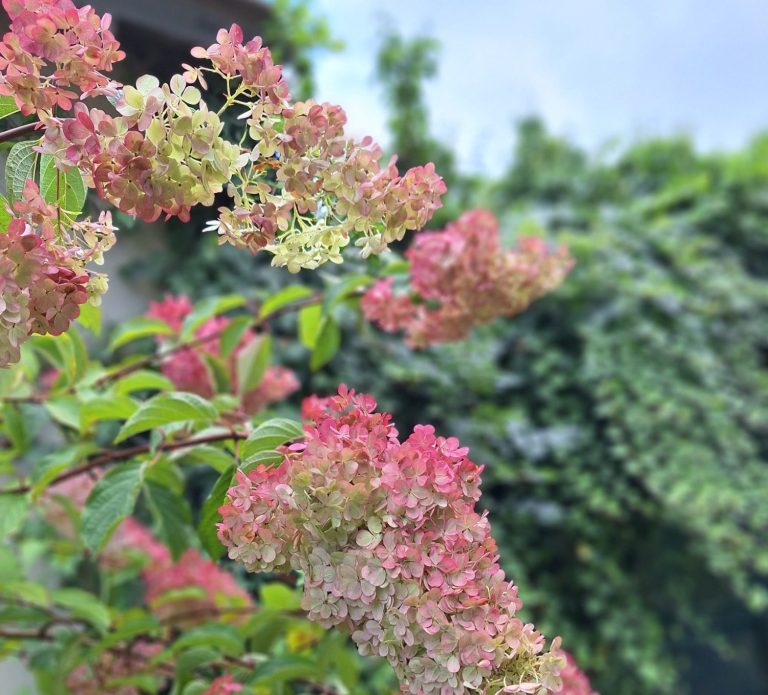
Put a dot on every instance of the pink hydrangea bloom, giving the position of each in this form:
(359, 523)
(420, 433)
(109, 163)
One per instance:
(223, 685)
(575, 681)
(55, 53)
(133, 538)
(170, 589)
(392, 550)
(188, 370)
(461, 277)
(276, 385)
(172, 309)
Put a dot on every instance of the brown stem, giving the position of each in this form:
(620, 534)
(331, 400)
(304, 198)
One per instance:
(107, 458)
(19, 131)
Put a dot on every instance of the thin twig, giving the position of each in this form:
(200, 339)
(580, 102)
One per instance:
(19, 131)
(106, 458)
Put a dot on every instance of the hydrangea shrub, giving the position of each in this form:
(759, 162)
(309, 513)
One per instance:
(129, 479)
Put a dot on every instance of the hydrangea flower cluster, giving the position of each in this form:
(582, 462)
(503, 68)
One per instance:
(163, 154)
(188, 370)
(55, 53)
(301, 189)
(460, 277)
(43, 280)
(392, 551)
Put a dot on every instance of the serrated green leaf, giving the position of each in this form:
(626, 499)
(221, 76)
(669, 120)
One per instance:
(167, 408)
(61, 188)
(84, 605)
(142, 380)
(310, 319)
(172, 516)
(252, 362)
(208, 308)
(111, 500)
(209, 515)
(287, 295)
(269, 435)
(7, 106)
(13, 511)
(139, 327)
(233, 334)
(19, 167)
(262, 458)
(327, 345)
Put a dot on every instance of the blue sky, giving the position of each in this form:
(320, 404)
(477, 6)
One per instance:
(594, 69)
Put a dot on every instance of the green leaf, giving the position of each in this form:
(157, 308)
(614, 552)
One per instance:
(52, 465)
(65, 410)
(252, 362)
(217, 458)
(5, 215)
(209, 515)
(7, 106)
(262, 458)
(327, 345)
(109, 407)
(339, 291)
(139, 327)
(29, 592)
(66, 352)
(111, 500)
(310, 319)
(63, 189)
(142, 380)
(19, 167)
(279, 597)
(208, 308)
(90, 318)
(164, 409)
(233, 334)
(84, 605)
(172, 516)
(284, 668)
(287, 295)
(224, 638)
(13, 511)
(15, 427)
(269, 435)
